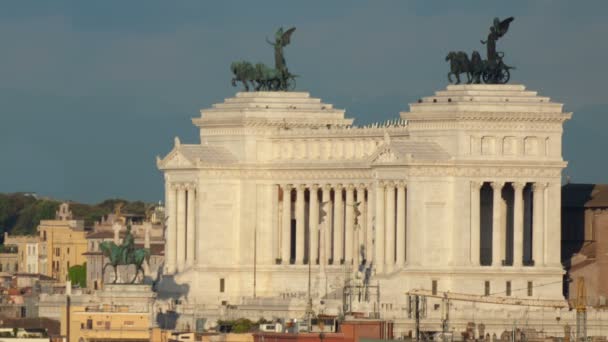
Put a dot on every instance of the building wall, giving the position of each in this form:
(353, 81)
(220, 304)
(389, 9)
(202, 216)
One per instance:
(65, 242)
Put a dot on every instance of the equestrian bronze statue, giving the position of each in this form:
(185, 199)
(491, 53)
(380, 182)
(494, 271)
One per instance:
(491, 70)
(124, 254)
(263, 77)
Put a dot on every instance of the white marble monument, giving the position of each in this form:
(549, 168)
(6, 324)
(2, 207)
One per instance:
(461, 194)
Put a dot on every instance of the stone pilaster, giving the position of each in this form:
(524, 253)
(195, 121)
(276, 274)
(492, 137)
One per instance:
(190, 225)
(401, 234)
(379, 238)
(171, 244)
(538, 223)
(389, 237)
(181, 228)
(475, 223)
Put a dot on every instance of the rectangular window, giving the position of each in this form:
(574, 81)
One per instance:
(107, 325)
(508, 291)
(530, 289)
(89, 324)
(68, 252)
(129, 323)
(487, 288)
(434, 287)
(222, 285)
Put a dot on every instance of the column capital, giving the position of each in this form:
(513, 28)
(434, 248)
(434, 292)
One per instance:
(401, 184)
(497, 185)
(301, 187)
(539, 186)
(361, 187)
(518, 186)
(350, 187)
(326, 187)
(338, 187)
(286, 186)
(389, 184)
(475, 184)
(313, 186)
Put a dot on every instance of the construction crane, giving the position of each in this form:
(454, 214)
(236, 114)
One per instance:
(581, 310)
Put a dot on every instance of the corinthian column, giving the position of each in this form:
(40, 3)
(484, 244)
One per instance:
(190, 226)
(181, 228)
(286, 226)
(325, 233)
(350, 224)
(338, 224)
(171, 245)
(379, 238)
(400, 225)
(538, 223)
(313, 224)
(360, 225)
(518, 224)
(498, 242)
(389, 238)
(300, 226)
(475, 222)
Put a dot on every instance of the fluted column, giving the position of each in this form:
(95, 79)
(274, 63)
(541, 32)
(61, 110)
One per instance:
(286, 225)
(498, 242)
(350, 224)
(400, 260)
(360, 224)
(538, 223)
(389, 229)
(379, 238)
(276, 223)
(370, 221)
(338, 224)
(475, 222)
(518, 224)
(300, 224)
(325, 233)
(171, 246)
(190, 226)
(181, 228)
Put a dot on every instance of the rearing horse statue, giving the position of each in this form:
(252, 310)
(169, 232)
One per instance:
(124, 254)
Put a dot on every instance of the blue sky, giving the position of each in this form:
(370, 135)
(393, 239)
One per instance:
(91, 92)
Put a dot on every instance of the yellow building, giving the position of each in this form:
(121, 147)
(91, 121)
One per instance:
(63, 242)
(120, 312)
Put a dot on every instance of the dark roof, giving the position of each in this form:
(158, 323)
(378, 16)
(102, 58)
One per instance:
(100, 235)
(585, 195)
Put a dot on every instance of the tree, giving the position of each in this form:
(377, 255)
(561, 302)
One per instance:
(78, 275)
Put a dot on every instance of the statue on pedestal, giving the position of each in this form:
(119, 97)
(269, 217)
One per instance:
(263, 77)
(124, 254)
(492, 70)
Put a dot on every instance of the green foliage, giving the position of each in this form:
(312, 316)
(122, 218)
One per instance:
(78, 275)
(240, 325)
(20, 214)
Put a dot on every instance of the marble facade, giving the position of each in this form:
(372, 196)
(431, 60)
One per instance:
(460, 194)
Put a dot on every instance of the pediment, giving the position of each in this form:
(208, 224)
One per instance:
(176, 160)
(384, 155)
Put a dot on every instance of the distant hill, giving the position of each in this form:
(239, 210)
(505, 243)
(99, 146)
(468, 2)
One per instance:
(20, 213)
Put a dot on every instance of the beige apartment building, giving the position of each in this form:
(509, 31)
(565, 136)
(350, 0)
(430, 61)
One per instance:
(63, 242)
